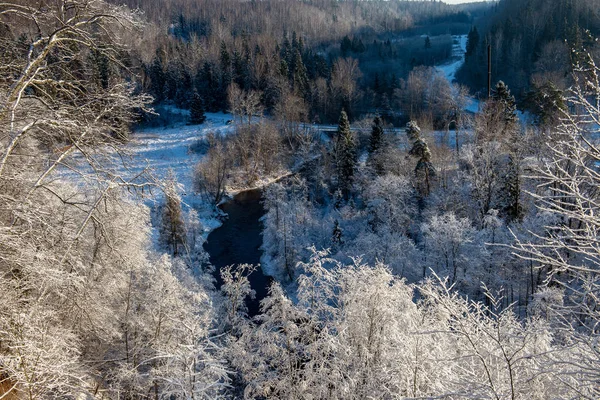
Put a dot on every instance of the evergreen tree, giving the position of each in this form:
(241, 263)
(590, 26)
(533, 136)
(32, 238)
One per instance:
(513, 207)
(427, 43)
(546, 103)
(300, 78)
(284, 69)
(337, 236)
(197, 110)
(172, 230)
(207, 83)
(102, 72)
(241, 70)
(345, 155)
(375, 146)
(472, 42)
(346, 45)
(286, 50)
(226, 76)
(501, 95)
(424, 171)
(157, 78)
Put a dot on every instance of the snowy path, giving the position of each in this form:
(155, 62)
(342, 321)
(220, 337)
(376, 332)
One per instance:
(459, 48)
(449, 69)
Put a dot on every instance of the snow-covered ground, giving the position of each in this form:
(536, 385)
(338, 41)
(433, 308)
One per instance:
(172, 148)
(449, 69)
(459, 48)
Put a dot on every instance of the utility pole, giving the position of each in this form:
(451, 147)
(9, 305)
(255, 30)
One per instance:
(489, 51)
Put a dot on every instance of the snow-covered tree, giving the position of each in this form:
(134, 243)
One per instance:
(376, 143)
(197, 110)
(345, 156)
(424, 171)
(236, 287)
(172, 227)
(390, 203)
(446, 239)
(568, 250)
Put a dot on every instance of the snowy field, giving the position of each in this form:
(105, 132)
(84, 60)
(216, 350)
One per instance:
(175, 148)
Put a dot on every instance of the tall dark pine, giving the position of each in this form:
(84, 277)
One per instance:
(513, 208)
(197, 110)
(375, 147)
(424, 171)
(172, 230)
(157, 78)
(345, 156)
(427, 42)
(226, 75)
(337, 236)
(472, 43)
(501, 95)
(300, 78)
(102, 72)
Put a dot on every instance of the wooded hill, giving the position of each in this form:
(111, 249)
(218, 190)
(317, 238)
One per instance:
(532, 41)
(301, 48)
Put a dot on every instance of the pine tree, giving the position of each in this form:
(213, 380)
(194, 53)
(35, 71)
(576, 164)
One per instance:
(427, 43)
(513, 207)
(424, 171)
(502, 96)
(157, 77)
(102, 72)
(472, 42)
(546, 103)
(375, 146)
(346, 45)
(300, 78)
(337, 236)
(172, 230)
(345, 155)
(197, 110)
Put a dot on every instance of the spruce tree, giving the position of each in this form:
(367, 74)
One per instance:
(172, 230)
(506, 101)
(427, 43)
(546, 103)
(346, 45)
(157, 77)
(424, 171)
(197, 110)
(337, 236)
(375, 147)
(102, 72)
(512, 207)
(472, 43)
(345, 155)
(300, 77)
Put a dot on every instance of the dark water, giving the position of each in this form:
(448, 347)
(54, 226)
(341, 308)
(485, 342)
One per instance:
(238, 241)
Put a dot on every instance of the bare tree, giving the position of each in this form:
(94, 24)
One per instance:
(244, 104)
(570, 252)
(344, 77)
(211, 173)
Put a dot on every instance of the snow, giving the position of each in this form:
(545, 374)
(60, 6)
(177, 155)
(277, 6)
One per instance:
(459, 48)
(170, 148)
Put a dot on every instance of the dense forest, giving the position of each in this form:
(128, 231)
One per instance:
(532, 43)
(415, 239)
(324, 54)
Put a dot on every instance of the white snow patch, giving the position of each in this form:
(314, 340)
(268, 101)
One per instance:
(165, 149)
(459, 48)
